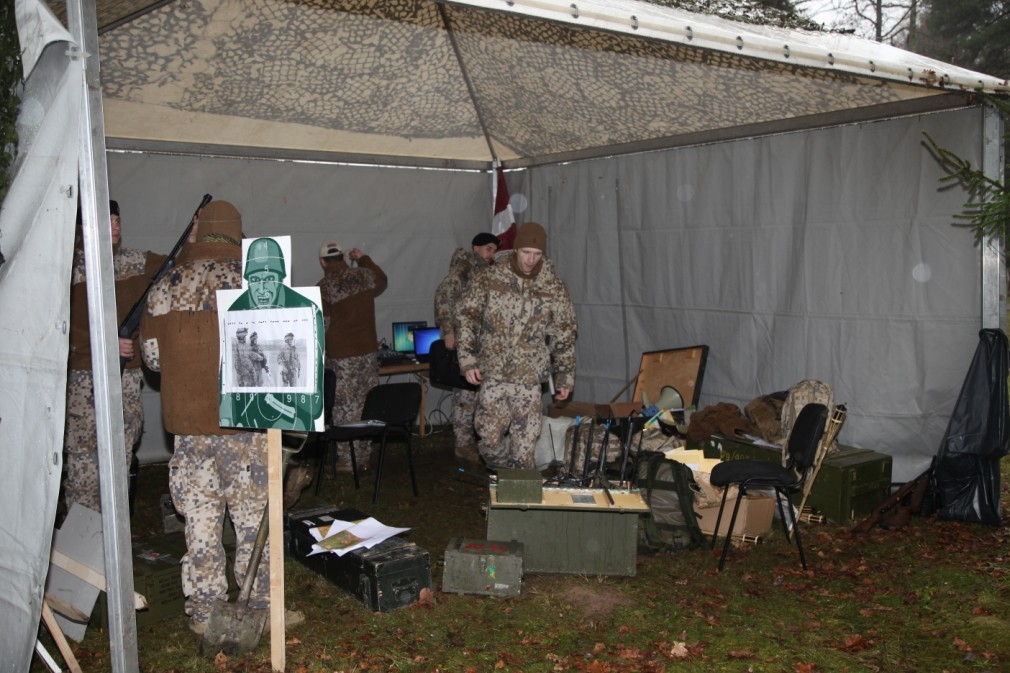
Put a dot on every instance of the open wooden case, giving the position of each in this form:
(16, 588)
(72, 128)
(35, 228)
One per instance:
(682, 368)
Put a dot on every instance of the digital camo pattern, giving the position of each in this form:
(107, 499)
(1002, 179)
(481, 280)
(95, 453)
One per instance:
(396, 74)
(193, 286)
(504, 324)
(126, 263)
(464, 408)
(464, 265)
(355, 377)
(80, 440)
(802, 393)
(341, 284)
(508, 408)
(211, 477)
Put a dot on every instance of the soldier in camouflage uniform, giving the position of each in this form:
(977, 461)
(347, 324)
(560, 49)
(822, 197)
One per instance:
(214, 470)
(133, 270)
(289, 362)
(463, 267)
(515, 327)
(348, 295)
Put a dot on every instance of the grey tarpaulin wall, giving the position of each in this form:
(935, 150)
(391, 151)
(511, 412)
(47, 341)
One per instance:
(827, 254)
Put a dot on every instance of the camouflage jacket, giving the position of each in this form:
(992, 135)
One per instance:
(516, 330)
(179, 336)
(463, 267)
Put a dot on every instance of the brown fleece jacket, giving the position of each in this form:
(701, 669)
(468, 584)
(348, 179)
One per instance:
(348, 296)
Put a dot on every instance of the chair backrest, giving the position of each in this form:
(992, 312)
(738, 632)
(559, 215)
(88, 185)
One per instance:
(806, 435)
(329, 395)
(393, 403)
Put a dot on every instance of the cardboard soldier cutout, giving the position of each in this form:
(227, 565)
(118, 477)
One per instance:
(271, 345)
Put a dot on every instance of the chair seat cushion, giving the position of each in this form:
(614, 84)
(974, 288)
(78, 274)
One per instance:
(751, 472)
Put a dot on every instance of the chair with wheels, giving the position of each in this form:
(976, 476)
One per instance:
(745, 474)
(389, 413)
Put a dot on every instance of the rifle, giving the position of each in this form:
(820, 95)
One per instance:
(131, 323)
(916, 489)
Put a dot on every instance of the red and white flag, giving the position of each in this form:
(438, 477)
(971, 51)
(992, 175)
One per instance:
(504, 224)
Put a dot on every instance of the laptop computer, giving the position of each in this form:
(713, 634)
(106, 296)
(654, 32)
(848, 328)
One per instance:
(423, 338)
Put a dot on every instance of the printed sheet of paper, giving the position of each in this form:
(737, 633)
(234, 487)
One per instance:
(341, 537)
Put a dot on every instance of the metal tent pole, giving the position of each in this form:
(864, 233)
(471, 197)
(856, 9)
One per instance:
(108, 389)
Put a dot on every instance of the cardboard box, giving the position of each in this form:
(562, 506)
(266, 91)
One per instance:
(753, 519)
(572, 530)
(383, 578)
(486, 567)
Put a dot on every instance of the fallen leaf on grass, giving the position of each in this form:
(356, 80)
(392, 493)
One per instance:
(806, 668)
(680, 651)
(962, 645)
(854, 643)
(741, 654)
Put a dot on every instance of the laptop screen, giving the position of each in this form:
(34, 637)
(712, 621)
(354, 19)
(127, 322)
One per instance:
(403, 340)
(423, 338)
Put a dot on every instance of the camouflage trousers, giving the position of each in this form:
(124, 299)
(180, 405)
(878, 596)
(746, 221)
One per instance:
(355, 377)
(464, 407)
(508, 408)
(80, 438)
(211, 477)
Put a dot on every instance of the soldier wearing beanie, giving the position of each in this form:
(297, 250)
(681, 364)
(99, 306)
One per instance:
(215, 471)
(133, 270)
(464, 266)
(516, 327)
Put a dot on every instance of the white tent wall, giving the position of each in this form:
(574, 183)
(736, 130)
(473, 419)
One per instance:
(37, 225)
(408, 220)
(828, 254)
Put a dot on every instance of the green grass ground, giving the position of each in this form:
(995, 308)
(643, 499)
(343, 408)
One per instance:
(931, 597)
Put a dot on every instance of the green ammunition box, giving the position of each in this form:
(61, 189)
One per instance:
(487, 567)
(157, 576)
(572, 530)
(850, 484)
(520, 486)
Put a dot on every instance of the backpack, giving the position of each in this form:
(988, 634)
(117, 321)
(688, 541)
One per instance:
(668, 487)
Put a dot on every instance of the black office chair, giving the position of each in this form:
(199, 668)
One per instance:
(328, 437)
(389, 413)
(802, 449)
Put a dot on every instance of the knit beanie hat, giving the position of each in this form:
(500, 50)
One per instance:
(484, 238)
(113, 207)
(220, 217)
(531, 235)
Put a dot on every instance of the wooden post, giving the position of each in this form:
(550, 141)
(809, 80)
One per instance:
(276, 545)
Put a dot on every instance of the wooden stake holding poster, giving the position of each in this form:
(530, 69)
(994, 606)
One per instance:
(275, 501)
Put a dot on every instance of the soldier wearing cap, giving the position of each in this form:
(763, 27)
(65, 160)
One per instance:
(348, 294)
(463, 268)
(515, 327)
(133, 270)
(215, 470)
